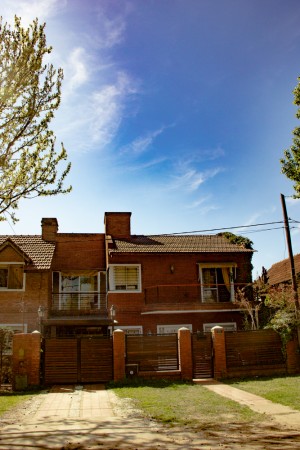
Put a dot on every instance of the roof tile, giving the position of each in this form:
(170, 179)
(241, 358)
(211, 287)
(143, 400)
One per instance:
(39, 251)
(176, 244)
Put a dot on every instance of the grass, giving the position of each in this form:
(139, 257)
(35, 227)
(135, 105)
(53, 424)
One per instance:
(11, 400)
(177, 403)
(283, 390)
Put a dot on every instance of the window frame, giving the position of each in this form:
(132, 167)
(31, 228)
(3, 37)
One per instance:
(62, 294)
(228, 326)
(112, 280)
(226, 265)
(172, 328)
(7, 265)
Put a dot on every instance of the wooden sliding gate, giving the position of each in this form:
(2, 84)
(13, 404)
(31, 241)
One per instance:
(81, 359)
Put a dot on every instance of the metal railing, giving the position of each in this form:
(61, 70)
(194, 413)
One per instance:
(188, 293)
(78, 303)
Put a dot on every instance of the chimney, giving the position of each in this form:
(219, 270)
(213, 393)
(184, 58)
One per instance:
(117, 224)
(49, 229)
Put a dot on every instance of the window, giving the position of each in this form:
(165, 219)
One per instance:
(11, 277)
(130, 329)
(217, 282)
(78, 291)
(228, 326)
(125, 278)
(165, 329)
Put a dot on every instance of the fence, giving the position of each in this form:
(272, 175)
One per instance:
(235, 354)
(152, 353)
(254, 352)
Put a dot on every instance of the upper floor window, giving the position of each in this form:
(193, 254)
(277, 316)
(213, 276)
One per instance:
(125, 277)
(11, 277)
(217, 282)
(83, 290)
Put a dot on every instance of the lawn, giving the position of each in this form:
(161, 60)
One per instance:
(283, 390)
(185, 404)
(10, 400)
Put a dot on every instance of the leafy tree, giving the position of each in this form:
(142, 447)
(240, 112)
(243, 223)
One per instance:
(291, 162)
(283, 315)
(30, 93)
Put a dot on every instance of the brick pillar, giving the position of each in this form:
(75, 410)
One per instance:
(220, 367)
(292, 356)
(26, 360)
(119, 355)
(185, 353)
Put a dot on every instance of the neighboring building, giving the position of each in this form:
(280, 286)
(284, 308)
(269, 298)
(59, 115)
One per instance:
(65, 284)
(55, 282)
(158, 284)
(280, 272)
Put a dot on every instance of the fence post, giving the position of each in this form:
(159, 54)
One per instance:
(119, 355)
(292, 356)
(220, 367)
(185, 353)
(26, 360)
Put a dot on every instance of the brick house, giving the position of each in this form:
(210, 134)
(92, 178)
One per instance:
(25, 283)
(66, 283)
(55, 282)
(158, 284)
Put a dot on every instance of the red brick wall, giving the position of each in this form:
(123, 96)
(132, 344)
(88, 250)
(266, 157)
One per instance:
(117, 224)
(18, 307)
(79, 252)
(26, 359)
(155, 270)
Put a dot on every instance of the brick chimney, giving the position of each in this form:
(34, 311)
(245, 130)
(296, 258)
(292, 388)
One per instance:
(49, 229)
(117, 224)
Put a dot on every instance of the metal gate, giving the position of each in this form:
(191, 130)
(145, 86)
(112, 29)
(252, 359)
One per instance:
(202, 355)
(81, 359)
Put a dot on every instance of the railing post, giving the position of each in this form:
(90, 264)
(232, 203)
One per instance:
(185, 353)
(119, 355)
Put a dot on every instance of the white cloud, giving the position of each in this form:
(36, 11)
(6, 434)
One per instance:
(141, 144)
(76, 71)
(107, 108)
(191, 179)
(112, 32)
(146, 165)
(30, 9)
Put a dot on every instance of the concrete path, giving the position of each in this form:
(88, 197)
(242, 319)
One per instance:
(280, 413)
(90, 418)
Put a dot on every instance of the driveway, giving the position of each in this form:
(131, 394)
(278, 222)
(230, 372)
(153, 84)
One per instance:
(90, 417)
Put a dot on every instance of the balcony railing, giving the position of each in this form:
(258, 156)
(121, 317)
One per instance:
(184, 294)
(78, 303)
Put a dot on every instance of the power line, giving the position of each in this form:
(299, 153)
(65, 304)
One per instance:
(219, 229)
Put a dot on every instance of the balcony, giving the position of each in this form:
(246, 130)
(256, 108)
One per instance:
(194, 296)
(78, 304)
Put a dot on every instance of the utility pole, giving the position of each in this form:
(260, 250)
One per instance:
(291, 257)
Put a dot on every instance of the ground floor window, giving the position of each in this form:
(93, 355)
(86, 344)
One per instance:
(165, 329)
(228, 326)
(129, 330)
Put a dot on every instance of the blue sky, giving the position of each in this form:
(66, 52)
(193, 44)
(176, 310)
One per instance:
(175, 110)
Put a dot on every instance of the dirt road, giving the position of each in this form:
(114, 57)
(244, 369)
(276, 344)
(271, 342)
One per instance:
(89, 418)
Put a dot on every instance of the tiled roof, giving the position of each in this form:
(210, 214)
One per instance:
(281, 271)
(176, 244)
(39, 251)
